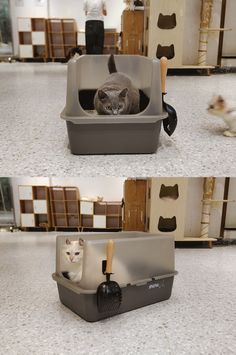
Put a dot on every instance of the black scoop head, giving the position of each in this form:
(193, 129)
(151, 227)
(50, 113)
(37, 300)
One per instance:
(170, 122)
(109, 296)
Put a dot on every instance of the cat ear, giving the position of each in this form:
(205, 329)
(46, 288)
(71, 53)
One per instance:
(123, 93)
(220, 98)
(102, 95)
(68, 241)
(81, 242)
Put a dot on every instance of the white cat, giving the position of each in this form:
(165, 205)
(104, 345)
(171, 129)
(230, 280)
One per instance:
(72, 254)
(219, 107)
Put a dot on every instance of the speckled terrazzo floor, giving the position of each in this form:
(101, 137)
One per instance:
(34, 138)
(199, 318)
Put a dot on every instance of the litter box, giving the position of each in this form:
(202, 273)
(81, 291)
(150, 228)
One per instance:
(105, 134)
(143, 266)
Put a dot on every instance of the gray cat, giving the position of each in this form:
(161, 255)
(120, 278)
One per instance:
(117, 95)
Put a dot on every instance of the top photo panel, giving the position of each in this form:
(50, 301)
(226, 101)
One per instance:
(118, 88)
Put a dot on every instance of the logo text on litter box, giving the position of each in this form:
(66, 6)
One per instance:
(156, 285)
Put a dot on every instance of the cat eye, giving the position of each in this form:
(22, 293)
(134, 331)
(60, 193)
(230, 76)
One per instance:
(68, 253)
(108, 107)
(77, 253)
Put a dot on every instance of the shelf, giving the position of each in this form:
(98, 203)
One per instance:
(39, 51)
(195, 239)
(99, 208)
(86, 221)
(32, 34)
(113, 222)
(41, 218)
(193, 67)
(62, 35)
(38, 24)
(71, 193)
(113, 215)
(56, 194)
(26, 206)
(39, 192)
(58, 207)
(60, 221)
(72, 207)
(34, 206)
(101, 215)
(25, 38)
(73, 221)
(65, 206)
(228, 56)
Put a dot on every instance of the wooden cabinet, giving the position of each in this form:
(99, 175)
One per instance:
(32, 38)
(64, 207)
(34, 206)
(135, 192)
(100, 215)
(62, 37)
(41, 38)
(132, 23)
(86, 207)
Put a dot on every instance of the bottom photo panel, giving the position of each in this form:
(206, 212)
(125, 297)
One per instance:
(150, 261)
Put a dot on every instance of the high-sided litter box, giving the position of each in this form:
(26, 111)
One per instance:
(104, 134)
(143, 266)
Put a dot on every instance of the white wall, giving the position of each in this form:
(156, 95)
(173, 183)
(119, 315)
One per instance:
(74, 9)
(111, 189)
(62, 9)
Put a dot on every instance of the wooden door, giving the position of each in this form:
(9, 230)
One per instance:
(135, 205)
(132, 28)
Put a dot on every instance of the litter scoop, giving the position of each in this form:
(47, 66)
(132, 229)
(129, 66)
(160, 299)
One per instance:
(170, 122)
(109, 295)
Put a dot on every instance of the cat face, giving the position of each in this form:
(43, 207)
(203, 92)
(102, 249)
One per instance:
(74, 250)
(113, 102)
(217, 105)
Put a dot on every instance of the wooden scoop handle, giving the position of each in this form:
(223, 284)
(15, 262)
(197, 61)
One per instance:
(110, 250)
(164, 68)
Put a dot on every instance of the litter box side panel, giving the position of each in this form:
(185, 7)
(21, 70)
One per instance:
(130, 138)
(133, 297)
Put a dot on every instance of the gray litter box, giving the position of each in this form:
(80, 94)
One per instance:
(123, 134)
(143, 266)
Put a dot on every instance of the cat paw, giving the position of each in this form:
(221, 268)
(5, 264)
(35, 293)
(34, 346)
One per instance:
(229, 134)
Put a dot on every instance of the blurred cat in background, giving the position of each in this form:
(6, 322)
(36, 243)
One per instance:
(219, 107)
(72, 254)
